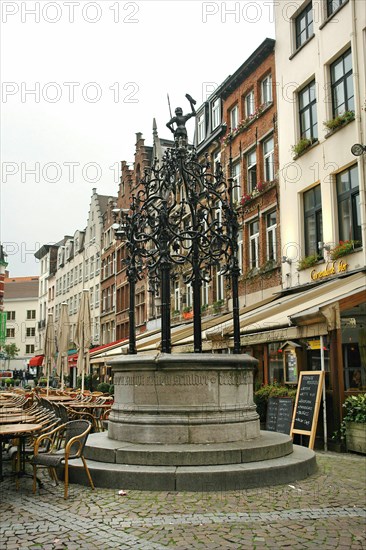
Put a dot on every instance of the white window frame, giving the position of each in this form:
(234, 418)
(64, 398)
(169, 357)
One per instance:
(251, 168)
(234, 117)
(236, 173)
(266, 90)
(176, 296)
(189, 294)
(215, 113)
(201, 134)
(268, 160)
(249, 104)
(219, 285)
(253, 245)
(240, 250)
(271, 236)
(204, 293)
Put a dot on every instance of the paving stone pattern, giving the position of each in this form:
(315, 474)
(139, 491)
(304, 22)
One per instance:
(327, 510)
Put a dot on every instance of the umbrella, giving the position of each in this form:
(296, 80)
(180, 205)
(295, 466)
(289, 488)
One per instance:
(83, 336)
(49, 349)
(63, 335)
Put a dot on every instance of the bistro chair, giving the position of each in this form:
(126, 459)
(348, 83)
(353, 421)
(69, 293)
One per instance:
(75, 434)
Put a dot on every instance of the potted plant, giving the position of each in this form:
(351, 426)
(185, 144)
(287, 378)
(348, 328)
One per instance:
(308, 261)
(302, 145)
(339, 120)
(353, 427)
(187, 312)
(218, 305)
(343, 248)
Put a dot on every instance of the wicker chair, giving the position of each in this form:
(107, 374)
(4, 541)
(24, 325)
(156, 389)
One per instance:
(75, 435)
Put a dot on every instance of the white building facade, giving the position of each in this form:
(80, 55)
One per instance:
(21, 306)
(320, 67)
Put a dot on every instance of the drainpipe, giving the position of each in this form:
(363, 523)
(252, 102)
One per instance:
(360, 134)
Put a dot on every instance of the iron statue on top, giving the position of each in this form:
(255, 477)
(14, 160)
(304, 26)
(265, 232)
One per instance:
(180, 132)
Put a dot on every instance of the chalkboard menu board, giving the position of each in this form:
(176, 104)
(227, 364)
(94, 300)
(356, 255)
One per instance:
(279, 414)
(306, 411)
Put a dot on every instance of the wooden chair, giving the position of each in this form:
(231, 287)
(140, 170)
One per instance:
(75, 435)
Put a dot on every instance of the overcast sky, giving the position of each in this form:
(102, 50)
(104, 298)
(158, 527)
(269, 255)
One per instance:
(79, 79)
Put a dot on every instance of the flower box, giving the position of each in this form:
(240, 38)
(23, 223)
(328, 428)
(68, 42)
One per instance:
(356, 437)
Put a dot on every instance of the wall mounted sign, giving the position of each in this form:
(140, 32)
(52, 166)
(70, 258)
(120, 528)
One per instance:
(331, 268)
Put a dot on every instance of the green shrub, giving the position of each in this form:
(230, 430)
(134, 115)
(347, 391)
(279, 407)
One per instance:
(103, 387)
(111, 389)
(355, 407)
(262, 395)
(334, 123)
(308, 261)
(9, 382)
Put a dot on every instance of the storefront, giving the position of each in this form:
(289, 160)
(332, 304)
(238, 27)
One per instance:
(320, 327)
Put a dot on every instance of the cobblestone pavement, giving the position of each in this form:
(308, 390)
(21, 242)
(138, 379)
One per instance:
(327, 510)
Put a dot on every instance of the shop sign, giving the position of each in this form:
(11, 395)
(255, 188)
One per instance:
(314, 344)
(332, 268)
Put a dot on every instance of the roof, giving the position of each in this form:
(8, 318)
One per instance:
(21, 287)
(253, 61)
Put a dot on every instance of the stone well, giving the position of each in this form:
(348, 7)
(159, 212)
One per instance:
(188, 423)
(183, 399)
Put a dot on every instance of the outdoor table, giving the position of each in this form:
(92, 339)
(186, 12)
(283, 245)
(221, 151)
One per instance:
(19, 432)
(16, 419)
(89, 405)
(58, 398)
(8, 410)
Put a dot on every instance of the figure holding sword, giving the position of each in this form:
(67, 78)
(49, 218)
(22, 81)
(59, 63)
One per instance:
(180, 132)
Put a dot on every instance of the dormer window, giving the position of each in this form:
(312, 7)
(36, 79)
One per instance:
(215, 113)
(201, 127)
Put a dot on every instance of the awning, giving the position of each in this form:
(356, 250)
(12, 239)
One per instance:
(36, 361)
(301, 315)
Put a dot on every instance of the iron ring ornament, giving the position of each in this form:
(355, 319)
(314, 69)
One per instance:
(181, 219)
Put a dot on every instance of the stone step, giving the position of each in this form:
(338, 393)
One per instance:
(268, 446)
(300, 464)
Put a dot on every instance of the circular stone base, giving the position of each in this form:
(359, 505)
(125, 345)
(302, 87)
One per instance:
(299, 464)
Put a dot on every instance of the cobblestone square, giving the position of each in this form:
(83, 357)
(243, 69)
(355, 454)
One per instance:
(327, 510)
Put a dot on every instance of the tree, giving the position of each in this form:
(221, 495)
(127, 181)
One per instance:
(11, 351)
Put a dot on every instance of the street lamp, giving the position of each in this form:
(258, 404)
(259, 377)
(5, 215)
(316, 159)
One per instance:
(357, 149)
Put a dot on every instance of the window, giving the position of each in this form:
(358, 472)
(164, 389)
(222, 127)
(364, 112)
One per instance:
(307, 112)
(333, 5)
(342, 84)
(236, 181)
(29, 348)
(31, 314)
(254, 244)
(189, 294)
(176, 296)
(240, 250)
(10, 332)
(10, 315)
(304, 25)
(249, 104)
(219, 286)
(268, 159)
(349, 211)
(201, 127)
(271, 228)
(204, 290)
(266, 89)
(252, 170)
(313, 220)
(31, 331)
(234, 117)
(215, 113)
(96, 295)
